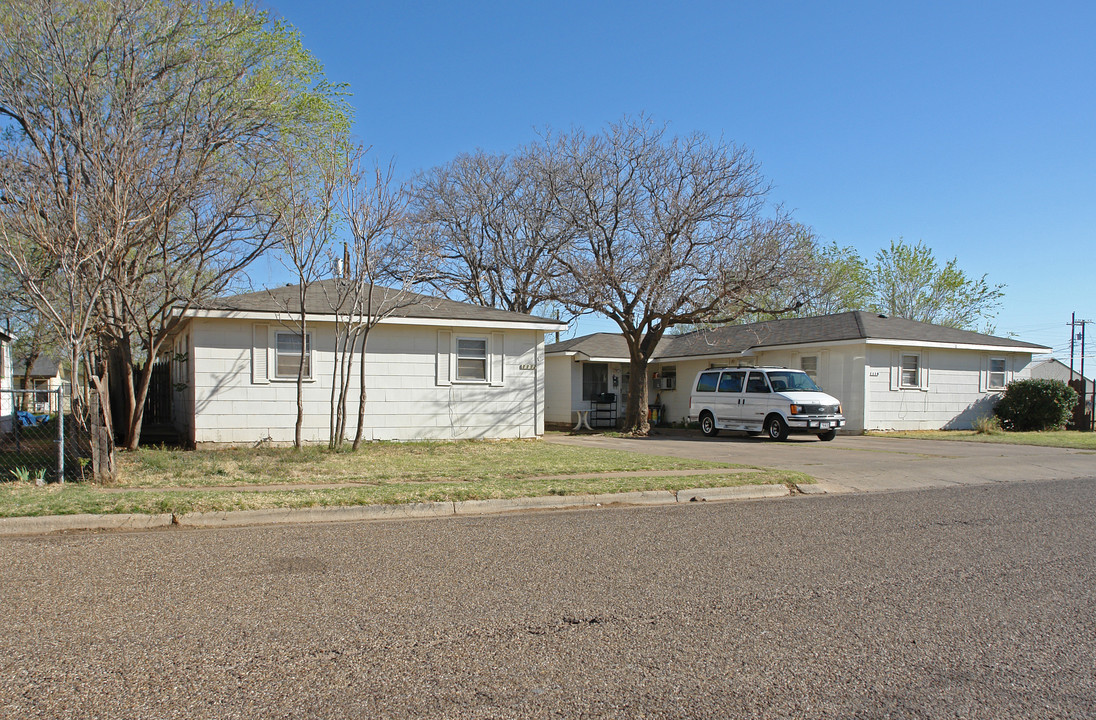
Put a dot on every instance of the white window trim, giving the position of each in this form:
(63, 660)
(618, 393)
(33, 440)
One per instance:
(273, 364)
(920, 383)
(990, 387)
(817, 365)
(486, 379)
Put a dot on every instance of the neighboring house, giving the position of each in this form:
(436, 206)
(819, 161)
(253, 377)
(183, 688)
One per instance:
(889, 373)
(435, 369)
(45, 376)
(7, 400)
(1052, 369)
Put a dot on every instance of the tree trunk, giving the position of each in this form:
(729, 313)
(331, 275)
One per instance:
(344, 388)
(297, 429)
(361, 395)
(31, 359)
(635, 413)
(640, 350)
(137, 408)
(101, 426)
(337, 409)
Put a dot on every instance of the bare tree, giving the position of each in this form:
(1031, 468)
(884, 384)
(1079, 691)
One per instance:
(668, 230)
(134, 161)
(492, 219)
(309, 193)
(382, 266)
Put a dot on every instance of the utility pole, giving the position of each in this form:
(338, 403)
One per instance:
(1074, 336)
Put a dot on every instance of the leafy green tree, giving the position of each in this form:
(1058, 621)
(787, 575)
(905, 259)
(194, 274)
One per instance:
(907, 281)
(902, 280)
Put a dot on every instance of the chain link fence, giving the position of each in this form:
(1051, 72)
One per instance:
(39, 442)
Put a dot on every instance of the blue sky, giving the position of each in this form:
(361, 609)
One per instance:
(970, 126)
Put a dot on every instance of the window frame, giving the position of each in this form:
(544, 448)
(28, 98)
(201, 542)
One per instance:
(296, 355)
(1003, 372)
(902, 384)
(812, 374)
(485, 359)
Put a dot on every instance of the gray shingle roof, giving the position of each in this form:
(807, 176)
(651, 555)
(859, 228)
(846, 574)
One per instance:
(42, 367)
(857, 325)
(600, 344)
(323, 295)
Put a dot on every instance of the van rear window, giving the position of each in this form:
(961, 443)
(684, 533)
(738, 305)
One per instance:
(707, 382)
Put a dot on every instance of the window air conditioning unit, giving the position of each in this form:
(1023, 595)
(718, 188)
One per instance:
(667, 382)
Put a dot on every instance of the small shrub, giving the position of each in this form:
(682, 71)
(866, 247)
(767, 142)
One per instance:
(987, 425)
(1036, 405)
(23, 474)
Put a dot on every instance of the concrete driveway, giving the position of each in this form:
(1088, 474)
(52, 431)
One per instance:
(865, 464)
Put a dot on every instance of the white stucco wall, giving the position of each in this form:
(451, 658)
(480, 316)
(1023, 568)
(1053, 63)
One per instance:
(676, 401)
(953, 392)
(404, 401)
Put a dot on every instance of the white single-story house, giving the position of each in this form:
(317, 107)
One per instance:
(7, 399)
(435, 369)
(889, 373)
(46, 377)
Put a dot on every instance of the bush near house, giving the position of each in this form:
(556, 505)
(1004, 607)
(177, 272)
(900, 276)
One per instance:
(1036, 405)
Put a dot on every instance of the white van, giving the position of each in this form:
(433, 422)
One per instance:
(774, 401)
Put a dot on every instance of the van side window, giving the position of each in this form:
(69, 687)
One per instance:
(731, 382)
(757, 383)
(707, 382)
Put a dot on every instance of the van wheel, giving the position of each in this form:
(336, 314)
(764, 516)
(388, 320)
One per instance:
(707, 424)
(777, 429)
(827, 436)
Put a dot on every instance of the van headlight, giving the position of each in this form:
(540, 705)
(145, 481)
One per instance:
(797, 410)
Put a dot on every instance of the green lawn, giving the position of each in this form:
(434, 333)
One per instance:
(1051, 438)
(178, 481)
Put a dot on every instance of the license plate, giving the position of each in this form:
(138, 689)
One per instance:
(824, 426)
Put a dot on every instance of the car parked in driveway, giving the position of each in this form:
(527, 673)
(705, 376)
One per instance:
(769, 400)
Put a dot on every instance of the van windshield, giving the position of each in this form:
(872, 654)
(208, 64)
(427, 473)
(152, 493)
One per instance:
(791, 380)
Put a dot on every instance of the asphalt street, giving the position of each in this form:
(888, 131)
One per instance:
(968, 602)
(861, 463)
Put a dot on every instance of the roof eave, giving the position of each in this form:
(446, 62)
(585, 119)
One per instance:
(289, 317)
(981, 347)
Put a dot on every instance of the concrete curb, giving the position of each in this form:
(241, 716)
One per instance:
(821, 488)
(742, 492)
(59, 523)
(279, 516)
(465, 508)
